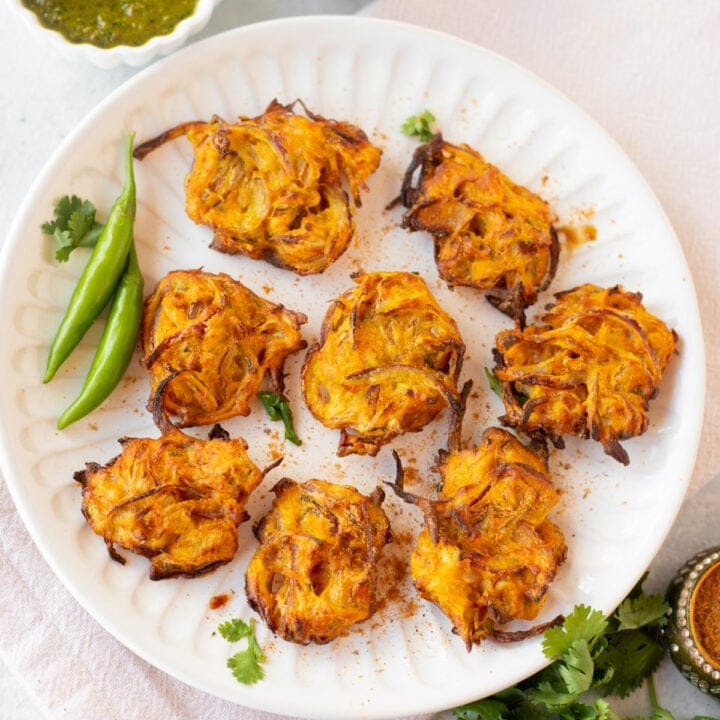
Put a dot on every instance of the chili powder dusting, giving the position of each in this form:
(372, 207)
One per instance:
(705, 615)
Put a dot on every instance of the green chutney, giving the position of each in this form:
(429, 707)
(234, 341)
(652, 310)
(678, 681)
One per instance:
(108, 23)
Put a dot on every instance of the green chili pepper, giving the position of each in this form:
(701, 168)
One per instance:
(101, 274)
(279, 409)
(116, 346)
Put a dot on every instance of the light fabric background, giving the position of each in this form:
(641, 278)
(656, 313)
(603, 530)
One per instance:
(648, 71)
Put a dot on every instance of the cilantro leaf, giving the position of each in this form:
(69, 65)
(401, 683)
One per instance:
(547, 694)
(235, 629)
(279, 409)
(577, 667)
(246, 665)
(74, 226)
(488, 709)
(641, 611)
(582, 623)
(584, 711)
(509, 704)
(604, 711)
(419, 125)
(633, 655)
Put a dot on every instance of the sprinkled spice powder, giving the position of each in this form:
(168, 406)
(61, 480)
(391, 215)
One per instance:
(705, 615)
(108, 23)
(218, 601)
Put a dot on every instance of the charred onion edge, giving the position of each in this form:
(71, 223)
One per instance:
(195, 330)
(156, 574)
(271, 466)
(508, 636)
(157, 405)
(457, 417)
(144, 149)
(426, 506)
(408, 193)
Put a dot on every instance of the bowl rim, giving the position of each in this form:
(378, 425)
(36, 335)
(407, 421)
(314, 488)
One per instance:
(119, 54)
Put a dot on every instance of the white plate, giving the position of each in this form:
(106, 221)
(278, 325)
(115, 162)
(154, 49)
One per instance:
(375, 73)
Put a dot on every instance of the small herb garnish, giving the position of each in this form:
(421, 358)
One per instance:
(279, 409)
(74, 226)
(419, 125)
(496, 387)
(609, 656)
(246, 665)
(494, 383)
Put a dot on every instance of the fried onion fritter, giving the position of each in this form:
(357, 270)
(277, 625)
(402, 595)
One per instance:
(589, 368)
(488, 552)
(272, 187)
(218, 340)
(176, 499)
(313, 575)
(387, 361)
(489, 232)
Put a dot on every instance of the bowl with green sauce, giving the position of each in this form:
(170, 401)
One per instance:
(113, 32)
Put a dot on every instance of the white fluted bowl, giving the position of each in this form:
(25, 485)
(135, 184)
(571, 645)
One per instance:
(121, 54)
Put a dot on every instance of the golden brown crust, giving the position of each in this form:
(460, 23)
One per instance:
(489, 232)
(589, 368)
(218, 340)
(313, 575)
(387, 361)
(272, 187)
(176, 500)
(488, 552)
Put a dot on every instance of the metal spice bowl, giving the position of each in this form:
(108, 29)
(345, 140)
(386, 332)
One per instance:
(692, 634)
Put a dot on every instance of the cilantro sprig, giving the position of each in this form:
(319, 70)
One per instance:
(593, 658)
(74, 226)
(419, 126)
(246, 665)
(279, 409)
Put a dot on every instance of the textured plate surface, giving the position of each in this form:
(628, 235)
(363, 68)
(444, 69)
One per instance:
(374, 73)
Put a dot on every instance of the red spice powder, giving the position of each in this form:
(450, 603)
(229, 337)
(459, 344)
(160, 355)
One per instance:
(705, 615)
(218, 601)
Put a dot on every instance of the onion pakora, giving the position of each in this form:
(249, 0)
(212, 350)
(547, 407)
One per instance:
(313, 575)
(489, 233)
(218, 340)
(488, 552)
(387, 361)
(176, 499)
(272, 187)
(588, 369)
